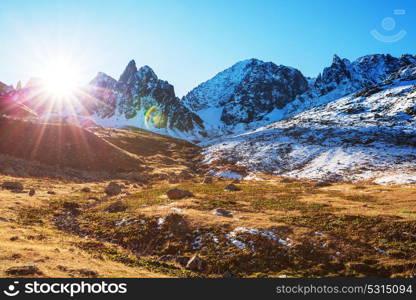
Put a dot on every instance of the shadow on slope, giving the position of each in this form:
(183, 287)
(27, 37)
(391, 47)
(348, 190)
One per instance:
(63, 146)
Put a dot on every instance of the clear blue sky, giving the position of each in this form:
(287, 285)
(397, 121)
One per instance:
(188, 41)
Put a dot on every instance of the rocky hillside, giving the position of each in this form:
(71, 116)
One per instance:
(139, 98)
(369, 134)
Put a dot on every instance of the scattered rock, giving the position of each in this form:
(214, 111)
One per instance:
(32, 192)
(23, 270)
(182, 260)
(223, 212)
(87, 273)
(232, 188)
(173, 179)
(137, 177)
(86, 190)
(116, 207)
(227, 274)
(196, 264)
(39, 237)
(113, 189)
(4, 219)
(176, 224)
(185, 175)
(323, 184)
(287, 180)
(176, 194)
(207, 180)
(359, 267)
(62, 268)
(70, 205)
(14, 238)
(14, 186)
(16, 256)
(51, 193)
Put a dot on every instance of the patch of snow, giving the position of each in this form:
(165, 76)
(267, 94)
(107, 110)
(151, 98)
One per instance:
(228, 174)
(352, 138)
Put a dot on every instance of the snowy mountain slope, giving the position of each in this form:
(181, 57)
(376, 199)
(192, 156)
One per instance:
(139, 98)
(252, 93)
(370, 134)
(245, 92)
(343, 77)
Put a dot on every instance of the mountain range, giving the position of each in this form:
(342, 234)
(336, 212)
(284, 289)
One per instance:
(246, 96)
(354, 120)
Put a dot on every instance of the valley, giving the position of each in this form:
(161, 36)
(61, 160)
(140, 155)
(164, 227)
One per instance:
(80, 225)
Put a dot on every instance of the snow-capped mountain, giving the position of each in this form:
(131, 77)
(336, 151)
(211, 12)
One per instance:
(370, 134)
(139, 98)
(253, 93)
(245, 93)
(343, 77)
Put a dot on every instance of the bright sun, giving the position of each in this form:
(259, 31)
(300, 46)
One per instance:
(60, 79)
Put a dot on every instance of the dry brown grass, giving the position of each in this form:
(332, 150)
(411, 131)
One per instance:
(53, 251)
(356, 220)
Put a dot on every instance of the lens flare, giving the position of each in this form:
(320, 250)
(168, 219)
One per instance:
(155, 116)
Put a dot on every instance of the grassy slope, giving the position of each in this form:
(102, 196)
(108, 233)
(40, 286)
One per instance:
(367, 230)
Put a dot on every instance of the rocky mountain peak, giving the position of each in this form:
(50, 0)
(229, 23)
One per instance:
(146, 73)
(246, 91)
(141, 99)
(103, 80)
(364, 71)
(129, 72)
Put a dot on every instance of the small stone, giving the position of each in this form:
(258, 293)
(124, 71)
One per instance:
(207, 180)
(32, 192)
(16, 256)
(232, 188)
(86, 190)
(113, 189)
(173, 180)
(223, 212)
(323, 184)
(51, 193)
(185, 175)
(116, 207)
(70, 205)
(196, 264)
(182, 260)
(227, 274)
(87, 273)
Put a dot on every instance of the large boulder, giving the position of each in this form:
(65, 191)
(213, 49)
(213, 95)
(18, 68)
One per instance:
(176, 194)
